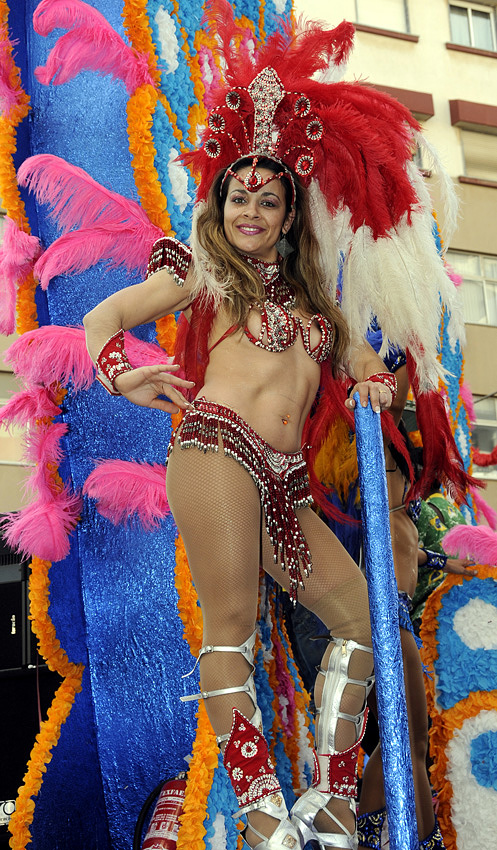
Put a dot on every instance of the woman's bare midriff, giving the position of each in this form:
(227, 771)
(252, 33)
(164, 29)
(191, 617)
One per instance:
(272, 391)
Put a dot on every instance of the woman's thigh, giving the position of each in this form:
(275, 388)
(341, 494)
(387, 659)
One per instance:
(336, 590)
(216, 507)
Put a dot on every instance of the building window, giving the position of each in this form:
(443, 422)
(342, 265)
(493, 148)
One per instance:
(472, 25)
(480, 155)
(383, 14)
(484, 435)
(479, 286)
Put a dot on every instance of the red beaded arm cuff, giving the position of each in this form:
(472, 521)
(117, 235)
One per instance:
(112, 361)
(387, 379)
(171, 255)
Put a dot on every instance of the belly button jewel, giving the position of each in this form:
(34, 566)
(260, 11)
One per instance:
(286, 419)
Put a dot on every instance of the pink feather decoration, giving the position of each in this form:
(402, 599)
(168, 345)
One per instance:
(42, 529)
(96, 223)
(128, 489)
(7, 306)
(44, 450)
(142, 353)
(90, 45)
(17, 255)
(454, 276)
(484, 508)
(26, 406)
(52, 354)
(12, 96)
(474, 541)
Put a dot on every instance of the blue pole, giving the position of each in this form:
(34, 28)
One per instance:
(383, 605)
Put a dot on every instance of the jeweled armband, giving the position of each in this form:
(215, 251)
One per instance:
(387, 379)
(434, 560)
(112, 361)
(171, 255)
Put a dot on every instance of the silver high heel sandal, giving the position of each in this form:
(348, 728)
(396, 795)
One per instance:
(248, 763)
(335, 773)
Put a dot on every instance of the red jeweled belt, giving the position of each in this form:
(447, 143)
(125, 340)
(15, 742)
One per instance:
(281, 478)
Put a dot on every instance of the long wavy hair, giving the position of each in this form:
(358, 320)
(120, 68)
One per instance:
(301, 269)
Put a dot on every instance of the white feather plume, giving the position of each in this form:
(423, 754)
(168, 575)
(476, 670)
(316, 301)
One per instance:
(206, 282)
(400, 279)
(448, 194)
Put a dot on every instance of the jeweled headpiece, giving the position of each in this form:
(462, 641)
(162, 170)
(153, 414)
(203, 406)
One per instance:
(351, 138)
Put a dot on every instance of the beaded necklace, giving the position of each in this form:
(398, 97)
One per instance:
(276, 289)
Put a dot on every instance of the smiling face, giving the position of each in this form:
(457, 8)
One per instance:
(253, 221)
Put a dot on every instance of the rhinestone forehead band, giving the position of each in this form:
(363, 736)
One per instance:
(253, 180)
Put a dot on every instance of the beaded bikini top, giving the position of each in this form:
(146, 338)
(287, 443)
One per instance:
(279, 326)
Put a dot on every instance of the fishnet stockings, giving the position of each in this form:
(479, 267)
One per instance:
(217, 509)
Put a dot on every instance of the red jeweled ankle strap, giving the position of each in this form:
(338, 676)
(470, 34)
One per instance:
(112, 361)
(247, 760)
(336, 773)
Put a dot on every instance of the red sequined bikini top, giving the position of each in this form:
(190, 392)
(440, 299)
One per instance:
(279, 325)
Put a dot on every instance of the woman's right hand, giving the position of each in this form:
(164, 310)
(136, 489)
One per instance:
(142, 386)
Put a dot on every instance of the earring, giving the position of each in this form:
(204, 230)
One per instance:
(283, 246)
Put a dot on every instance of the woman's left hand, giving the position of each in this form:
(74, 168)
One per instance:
(460, 567)
(378, 394)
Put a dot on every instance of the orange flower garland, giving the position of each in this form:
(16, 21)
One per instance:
(189, 610)
(9, 192)
(201, 770)
(140, 110)
(205, 751)
(139, 31)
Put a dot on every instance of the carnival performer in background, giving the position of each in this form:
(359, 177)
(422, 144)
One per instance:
(263, 359)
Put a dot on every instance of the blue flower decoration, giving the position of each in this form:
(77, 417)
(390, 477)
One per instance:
(484, 759)
(462, 670)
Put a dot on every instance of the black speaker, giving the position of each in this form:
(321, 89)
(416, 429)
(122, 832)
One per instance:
(27, 685)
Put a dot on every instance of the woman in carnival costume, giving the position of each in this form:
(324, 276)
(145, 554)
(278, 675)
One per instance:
(296, 173)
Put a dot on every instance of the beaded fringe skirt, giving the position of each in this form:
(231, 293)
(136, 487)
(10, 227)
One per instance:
(280, 477)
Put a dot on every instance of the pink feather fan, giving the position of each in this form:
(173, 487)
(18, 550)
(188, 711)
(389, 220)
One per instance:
(127, 489)
(54, 353)
(483, 508)
(476, 541)
(96, 223)
(26, 406)
(42, 529)
(45, 452)
(90, 45)
(17, 255)
(51, 354)
(13, 98)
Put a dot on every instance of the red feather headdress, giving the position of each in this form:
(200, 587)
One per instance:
(354, 140)
(352, 146)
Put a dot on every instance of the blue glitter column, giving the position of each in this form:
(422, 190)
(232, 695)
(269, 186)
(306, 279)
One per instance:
(383, 604)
